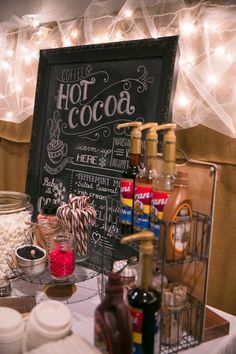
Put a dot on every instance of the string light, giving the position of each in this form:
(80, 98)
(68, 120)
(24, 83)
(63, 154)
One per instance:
(18, 88)
(118, 35)
(105, 38)
(9, 53)
(203, 44)
(206, 26)
(229, 57)
(212, 79)
(27, 59)
(211, 27)
(187, 28)
(35, 23)
(183, 101)
(67, 42)
(5, 65)
(187, 61)
(74, 34)
(220, 50)
(128, 13)
(96, 40)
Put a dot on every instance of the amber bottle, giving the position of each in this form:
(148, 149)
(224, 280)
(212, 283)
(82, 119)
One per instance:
(176, 227)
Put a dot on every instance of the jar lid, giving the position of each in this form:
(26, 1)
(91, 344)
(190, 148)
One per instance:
(10, 321)
(127, 271)
(50, 209)
(52, 316)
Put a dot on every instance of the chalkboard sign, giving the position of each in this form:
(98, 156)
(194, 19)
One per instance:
(82, 94)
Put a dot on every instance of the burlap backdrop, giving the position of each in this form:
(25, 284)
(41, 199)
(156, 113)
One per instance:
(199, 143)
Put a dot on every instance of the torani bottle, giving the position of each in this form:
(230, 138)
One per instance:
(176, 227)
(163, 184)
(143, 182)
(144, 301)
(128, 176)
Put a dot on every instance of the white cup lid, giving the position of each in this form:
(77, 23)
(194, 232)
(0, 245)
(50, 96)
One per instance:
(52, 316)
(128, 271)
(10, 321)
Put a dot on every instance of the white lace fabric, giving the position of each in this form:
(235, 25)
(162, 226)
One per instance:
(206, 87)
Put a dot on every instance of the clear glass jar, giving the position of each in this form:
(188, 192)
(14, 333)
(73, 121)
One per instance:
(61, 254)
(15, 225)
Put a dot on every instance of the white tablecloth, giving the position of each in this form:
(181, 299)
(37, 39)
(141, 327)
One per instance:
(83, 324)
(85, 300)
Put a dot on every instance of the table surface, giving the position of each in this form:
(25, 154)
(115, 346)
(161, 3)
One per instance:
(86, 298)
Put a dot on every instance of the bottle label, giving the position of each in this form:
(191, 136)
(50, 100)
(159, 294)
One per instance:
(142, 202)
(137, 321)
(181, 227)
(126, 198)
(101, 340)
(158, 202)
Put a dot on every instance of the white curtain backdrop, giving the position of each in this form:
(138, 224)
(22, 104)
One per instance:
(206, 88)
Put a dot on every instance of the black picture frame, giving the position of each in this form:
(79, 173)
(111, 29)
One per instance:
(82, 93)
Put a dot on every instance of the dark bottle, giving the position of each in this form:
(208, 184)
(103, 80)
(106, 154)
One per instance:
(113, 326)
(127, 180)
(144, 301)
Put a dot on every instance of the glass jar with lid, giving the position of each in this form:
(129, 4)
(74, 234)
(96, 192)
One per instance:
(15, 223)
(61, 254)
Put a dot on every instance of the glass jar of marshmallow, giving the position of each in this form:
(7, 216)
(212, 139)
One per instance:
(15, 223)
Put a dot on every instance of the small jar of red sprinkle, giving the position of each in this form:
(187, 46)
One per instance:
(61, 255)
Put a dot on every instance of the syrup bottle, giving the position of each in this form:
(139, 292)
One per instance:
(128, 176)
(176, 226)
(144, 301)
(143, 182)
(113, 325)
(163, 184)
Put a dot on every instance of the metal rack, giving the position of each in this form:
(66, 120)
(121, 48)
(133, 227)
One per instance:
(192, 269)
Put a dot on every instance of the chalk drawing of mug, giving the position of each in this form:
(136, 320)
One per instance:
(57, 149)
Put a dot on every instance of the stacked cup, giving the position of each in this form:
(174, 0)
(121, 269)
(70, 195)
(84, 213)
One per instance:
(48, 321)
(11, 331)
